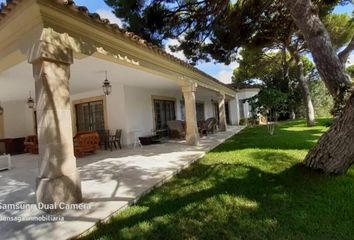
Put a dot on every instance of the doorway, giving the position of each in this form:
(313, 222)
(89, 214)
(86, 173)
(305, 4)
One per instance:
(90, 116)
(227, 112)
(164, 111)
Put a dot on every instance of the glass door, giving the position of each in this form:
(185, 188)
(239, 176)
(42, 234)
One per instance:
(216, 111)
(200, 111)
(164, 112)
(227, 113)
(89, 116)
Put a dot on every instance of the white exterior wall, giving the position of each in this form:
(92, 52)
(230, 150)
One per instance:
(242, 94)
(18, 119)
(139, 109)
(233, 111)
(116, 107)
(209, 109)
(128, 108)
(208, 105)
(115, 104)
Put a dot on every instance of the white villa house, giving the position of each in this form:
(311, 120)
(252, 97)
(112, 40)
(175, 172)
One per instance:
(60, 53)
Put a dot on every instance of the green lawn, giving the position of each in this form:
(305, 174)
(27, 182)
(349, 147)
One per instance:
(251, 187)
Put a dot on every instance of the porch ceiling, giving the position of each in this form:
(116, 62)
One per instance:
(61, 23)
(87, 74)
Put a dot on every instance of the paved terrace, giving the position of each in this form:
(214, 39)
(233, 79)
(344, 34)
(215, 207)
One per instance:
(110, 182)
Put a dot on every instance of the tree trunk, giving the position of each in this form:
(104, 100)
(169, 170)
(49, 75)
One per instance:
(334, 152)
(317, 38)
(292, 114)
(310, 111)
(286, 68)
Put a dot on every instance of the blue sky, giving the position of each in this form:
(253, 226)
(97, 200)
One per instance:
(219, 71)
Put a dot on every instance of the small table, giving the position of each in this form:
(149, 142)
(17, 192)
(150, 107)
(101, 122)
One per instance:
(148, 140)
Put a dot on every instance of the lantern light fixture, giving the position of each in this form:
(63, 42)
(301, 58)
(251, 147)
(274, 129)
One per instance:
(30, 101)
(107, 86)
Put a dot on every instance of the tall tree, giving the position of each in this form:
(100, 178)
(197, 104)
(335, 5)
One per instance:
(266, 66)
(215, 29)
(333, 153)
(304, 82)
(297, 49)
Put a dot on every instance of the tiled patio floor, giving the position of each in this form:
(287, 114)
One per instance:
(110, 182)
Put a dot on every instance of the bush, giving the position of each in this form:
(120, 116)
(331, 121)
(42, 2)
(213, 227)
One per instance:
(249, 121)
(243, 121)
(326, 122)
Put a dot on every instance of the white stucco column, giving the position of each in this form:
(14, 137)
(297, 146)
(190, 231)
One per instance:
(192, 134)
(222, 112)
(233, 111)
(58, 180)
(237, 109)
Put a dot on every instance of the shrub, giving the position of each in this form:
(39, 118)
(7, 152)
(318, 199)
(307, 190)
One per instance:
(243, 121)
(327, 122)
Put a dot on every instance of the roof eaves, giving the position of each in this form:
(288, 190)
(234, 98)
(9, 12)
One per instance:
(6, 8)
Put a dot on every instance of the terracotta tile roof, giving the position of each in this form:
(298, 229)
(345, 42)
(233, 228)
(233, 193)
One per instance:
(10, 5)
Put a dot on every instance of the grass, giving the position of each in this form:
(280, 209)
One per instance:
(251, 187)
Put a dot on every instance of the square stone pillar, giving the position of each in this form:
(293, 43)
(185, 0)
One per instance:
(58, 180)
(222, 112)
(192, 134)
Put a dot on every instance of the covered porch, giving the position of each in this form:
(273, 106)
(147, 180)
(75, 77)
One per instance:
(60, 52)
(110, 182)
(139, 103)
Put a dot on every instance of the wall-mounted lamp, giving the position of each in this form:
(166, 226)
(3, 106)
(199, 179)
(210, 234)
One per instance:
(107, 86)
(30, 101)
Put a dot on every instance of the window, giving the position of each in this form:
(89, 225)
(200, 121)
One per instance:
(242, 111)
(35, 122)
(199, 109)
(227, 112)
(164, 111)
(89, 116)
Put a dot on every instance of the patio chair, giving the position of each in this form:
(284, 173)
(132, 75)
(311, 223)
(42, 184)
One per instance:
(13, 146)
(176, 129)
(86, 143)
(202, 128)
(210, 125)
(31, 144)
(104, 138)
(115, 140)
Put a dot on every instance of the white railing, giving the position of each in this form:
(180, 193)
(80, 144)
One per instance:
(5, 162)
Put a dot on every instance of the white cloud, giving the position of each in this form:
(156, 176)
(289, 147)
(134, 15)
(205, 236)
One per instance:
(226, 72)
(104, 13)
(179, 54)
